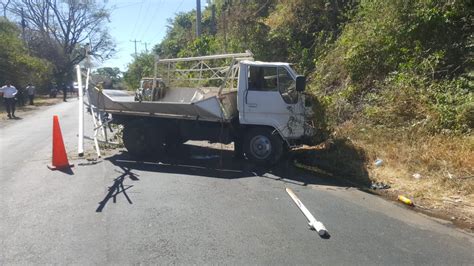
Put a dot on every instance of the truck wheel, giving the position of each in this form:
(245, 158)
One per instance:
(263, 147)
(141, 141)
(173, 139)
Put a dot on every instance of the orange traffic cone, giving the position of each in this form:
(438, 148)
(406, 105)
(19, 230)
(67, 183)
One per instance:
(59, 151)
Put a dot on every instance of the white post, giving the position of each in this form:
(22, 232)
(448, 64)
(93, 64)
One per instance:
(80, 141)
(313, 223)
(87, 79)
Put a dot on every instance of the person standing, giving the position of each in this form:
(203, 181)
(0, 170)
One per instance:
(30, 89)
(9, 93)
(64, 88)
(20, 96)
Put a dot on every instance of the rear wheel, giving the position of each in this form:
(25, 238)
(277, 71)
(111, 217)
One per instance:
(141, 141)
(263, 146)
(173, 138)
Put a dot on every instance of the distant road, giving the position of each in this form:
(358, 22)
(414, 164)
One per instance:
(195, 207)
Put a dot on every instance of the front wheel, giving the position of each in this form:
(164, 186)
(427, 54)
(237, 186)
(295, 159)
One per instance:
(263, 146)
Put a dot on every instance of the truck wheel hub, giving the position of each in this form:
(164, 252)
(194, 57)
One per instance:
(260, 147)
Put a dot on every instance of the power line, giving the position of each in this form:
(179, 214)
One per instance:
(146, 46)
(138, 17)
(143, 21)
(180, 4)
(151, 19)
(158, 32)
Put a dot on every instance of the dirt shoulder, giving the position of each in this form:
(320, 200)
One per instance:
(21, 111)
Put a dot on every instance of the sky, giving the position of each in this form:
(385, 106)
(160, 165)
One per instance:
(141, 20)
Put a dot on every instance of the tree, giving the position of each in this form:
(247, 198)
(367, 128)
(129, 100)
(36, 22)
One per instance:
(110, 76)
(59, 30)
(178, 35)
(142, 66)
(15, 63)
(304, 28)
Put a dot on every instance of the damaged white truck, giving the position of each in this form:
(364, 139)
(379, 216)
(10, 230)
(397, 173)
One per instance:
(260, 106)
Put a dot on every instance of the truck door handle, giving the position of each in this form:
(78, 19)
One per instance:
(252, 104)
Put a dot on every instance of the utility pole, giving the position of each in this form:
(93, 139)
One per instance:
(88, 56)
(23, 25)
(213, 18)
(198, 18)
(135, 41)
(146, 46)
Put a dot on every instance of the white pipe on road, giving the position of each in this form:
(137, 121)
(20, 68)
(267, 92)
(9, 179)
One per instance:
(313, 223)
(80, 141)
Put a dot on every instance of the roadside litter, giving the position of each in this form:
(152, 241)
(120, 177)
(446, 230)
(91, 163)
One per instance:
(313, 223)
(378, 162)
(405, 200)
(204, 157)
(416, 176)
(379, 185)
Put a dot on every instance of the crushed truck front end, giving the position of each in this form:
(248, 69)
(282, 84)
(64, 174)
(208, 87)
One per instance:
(272, 95)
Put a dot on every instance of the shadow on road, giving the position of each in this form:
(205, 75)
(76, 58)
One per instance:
(217, 163)
(118, 187)
(210, 162)
(67, 170)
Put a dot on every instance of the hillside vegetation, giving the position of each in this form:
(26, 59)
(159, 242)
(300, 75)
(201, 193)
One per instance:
(393, 80)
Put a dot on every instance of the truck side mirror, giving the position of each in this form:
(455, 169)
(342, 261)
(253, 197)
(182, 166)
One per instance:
(300, 83)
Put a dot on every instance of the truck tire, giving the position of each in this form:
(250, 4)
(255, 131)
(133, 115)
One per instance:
(173, 138)
(263, 146)
(141, 141)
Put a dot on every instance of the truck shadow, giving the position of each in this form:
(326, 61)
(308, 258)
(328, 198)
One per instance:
(217, 163)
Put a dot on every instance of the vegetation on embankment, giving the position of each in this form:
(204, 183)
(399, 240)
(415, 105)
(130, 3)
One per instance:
(393, 79)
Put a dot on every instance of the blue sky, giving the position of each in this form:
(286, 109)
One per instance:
(143, 20)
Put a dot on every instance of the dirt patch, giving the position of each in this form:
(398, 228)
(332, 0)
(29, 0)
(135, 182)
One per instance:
(21, 111)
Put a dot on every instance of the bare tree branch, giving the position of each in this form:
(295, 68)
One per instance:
(5, 4)
(65, 26)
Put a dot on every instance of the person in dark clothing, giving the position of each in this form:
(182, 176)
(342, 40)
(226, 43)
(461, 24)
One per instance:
(64, 87)
(9, 93)
(20, 97)
(30, 90)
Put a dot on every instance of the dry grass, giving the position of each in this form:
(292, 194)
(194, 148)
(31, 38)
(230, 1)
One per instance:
(444, 162)
(41, 100)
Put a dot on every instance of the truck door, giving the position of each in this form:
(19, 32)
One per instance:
(271, 99)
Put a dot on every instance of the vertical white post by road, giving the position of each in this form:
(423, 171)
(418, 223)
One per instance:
(80, 140)
(87, 80)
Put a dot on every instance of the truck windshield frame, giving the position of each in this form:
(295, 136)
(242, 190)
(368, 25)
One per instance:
(273, 78)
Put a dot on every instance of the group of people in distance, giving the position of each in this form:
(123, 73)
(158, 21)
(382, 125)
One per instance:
(11, 95)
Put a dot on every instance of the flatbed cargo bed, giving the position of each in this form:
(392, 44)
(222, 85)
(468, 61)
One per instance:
(179, 103)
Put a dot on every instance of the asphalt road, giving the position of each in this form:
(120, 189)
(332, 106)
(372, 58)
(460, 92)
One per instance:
(193, 210)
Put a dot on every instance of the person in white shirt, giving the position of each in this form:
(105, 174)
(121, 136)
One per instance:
(30, 89)
(9, 93)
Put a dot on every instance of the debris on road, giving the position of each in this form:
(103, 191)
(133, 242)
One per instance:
(405, 200)
(379, 185)
(313, 223)
(204, 157)
(378, 162)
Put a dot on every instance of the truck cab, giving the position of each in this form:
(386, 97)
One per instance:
(270, 94)
(271, 104)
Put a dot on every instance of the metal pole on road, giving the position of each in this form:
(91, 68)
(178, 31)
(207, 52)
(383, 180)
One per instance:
(80, 140)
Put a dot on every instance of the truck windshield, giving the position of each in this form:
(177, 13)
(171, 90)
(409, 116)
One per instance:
(264, 78)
